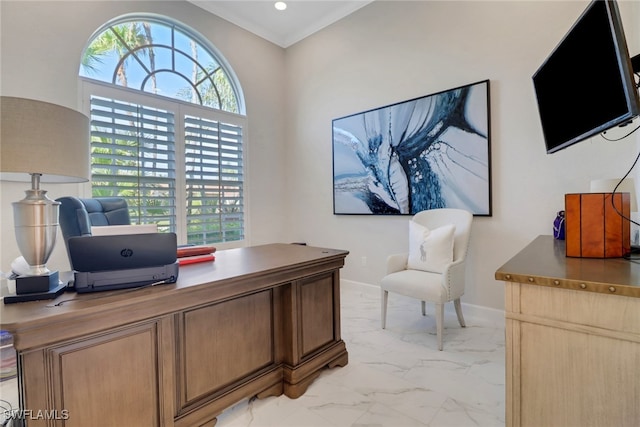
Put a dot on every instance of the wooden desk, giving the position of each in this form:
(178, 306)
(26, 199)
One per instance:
(572, 338)
(259, 321)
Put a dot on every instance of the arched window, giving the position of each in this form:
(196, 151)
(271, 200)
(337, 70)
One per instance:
(167, 119)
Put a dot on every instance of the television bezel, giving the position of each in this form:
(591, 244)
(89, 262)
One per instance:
(625, 74)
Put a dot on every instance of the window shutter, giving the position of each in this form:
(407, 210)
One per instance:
(133, 156)
(214, 181)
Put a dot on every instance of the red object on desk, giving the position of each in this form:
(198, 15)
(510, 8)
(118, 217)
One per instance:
(195, 259)
(186, 251)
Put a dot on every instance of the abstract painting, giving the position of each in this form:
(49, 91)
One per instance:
(426, 153)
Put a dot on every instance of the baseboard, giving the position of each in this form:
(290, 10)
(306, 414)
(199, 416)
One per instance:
(486, 315)
(354, 282)
(492, 316)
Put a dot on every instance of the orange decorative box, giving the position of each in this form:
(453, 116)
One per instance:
(594, 228)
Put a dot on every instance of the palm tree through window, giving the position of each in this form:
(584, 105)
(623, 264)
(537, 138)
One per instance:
(167, 119)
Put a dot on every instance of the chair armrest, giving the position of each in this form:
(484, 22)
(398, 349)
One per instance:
(397, 262)
(454, 279)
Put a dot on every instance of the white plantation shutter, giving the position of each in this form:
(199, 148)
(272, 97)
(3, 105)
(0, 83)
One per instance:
(214, 180)
(134, 156)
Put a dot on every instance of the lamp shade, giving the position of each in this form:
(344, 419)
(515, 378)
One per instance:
(39, 137)
(608, 185)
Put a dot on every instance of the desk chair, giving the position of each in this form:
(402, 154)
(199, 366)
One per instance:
(78, 215)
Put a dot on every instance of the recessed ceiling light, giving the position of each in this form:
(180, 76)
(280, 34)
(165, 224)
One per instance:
(280, 5)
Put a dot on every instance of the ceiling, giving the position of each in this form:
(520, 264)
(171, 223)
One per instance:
(284, 28)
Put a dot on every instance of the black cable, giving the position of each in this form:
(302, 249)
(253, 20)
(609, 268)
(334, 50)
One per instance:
(618, 185)
(628, 256)
(622, 137)
(100, 296)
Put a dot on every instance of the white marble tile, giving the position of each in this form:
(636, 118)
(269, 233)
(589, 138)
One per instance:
(271, 412)
(381, 415)
(457, 414)
(396, 377)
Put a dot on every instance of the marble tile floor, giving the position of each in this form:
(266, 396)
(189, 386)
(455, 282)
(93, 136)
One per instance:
(396, 377)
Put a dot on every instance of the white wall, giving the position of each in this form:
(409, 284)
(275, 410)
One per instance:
(385, 52)
(393, 51)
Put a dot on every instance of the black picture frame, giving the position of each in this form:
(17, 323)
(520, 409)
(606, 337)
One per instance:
(425, 153)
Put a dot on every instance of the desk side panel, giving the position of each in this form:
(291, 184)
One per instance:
(93, 377)
(316, 313)
(224, 343)
(581, 379)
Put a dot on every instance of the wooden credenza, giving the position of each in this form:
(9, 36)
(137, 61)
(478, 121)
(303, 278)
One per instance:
(572, 338)
(259, 321)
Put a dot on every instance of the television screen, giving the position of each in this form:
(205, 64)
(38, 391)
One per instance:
(586, 85)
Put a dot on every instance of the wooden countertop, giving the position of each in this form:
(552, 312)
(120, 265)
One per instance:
(543, 262)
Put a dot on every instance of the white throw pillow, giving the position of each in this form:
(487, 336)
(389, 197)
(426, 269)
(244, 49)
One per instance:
(430, 250)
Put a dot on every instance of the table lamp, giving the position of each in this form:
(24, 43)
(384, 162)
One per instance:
(48, 143)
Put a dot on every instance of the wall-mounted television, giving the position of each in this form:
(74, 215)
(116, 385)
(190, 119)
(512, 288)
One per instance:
(586, 85)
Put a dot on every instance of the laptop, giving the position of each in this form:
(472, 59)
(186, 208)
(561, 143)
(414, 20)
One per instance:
(123, 261)
(109, 230)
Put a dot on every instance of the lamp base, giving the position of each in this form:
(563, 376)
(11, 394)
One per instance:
(51, 293)
(36, 284)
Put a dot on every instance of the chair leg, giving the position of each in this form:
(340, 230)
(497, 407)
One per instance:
(424, 308)
(383, 314)
(439, 323)
(456, 304)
